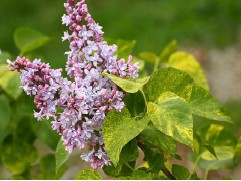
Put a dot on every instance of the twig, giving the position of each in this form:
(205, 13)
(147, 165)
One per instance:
(163, 167)
(167, 172)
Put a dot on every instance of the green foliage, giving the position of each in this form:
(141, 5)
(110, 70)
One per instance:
(237, 152)
(153, 136)
(4, 56)
(149, 57)
(170, 49)
(224, 155)
(223, 142)
(128, 85)
(18, 154)
(205, 105)
(135, 103)
(10, 82)
(137, 175)
(164, 56)
(5, 116)
(18, 151)
(189, 64)
(18, 130)
(61, 156)
(180, 172)
(200, 145)
(126, 163)
(140, 175)
(173, 117)
(47, 167)
(116, 124)
(88, 174)
(44, 132)
(27, 39)
(168, 80)
(171, 98)
(155, 159)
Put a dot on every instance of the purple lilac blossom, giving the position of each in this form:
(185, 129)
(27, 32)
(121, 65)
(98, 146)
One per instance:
(84, 101)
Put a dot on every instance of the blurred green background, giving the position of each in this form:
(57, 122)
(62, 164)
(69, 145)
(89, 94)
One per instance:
(211, 29)
(152, 23)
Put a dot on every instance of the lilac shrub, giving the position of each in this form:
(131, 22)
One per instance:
(87, 109)
(78, 105)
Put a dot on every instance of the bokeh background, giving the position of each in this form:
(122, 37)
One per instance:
(211, 30)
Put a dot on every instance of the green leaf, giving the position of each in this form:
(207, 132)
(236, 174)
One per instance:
(171, 80)
(140, 175)
(25, 124)
(155, 137)
(5, 116)
(128, 85)
(61, 171)
(112, 170)
(201, 145)
(224, 155)
(88, 174)
(135, 103)
(61, 156)
(222, 152)
(154, 158)
(27, 39)
(168, 51)
(128, 157)
(4, 56)
(17, 155)
(129, 152)
(180, 172)
(223, 141)
(218, 135)
(18, 177)
(47, 167)
(189, 64)
(10, 82)
(172, 116)
(194, 177)
(25, 107)
(117, 124)
(43, 131)
(137, 175)
(149, 57)
(205, 105)
(122, 169)
(237, 153)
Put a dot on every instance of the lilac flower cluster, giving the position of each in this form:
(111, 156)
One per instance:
(78, 107)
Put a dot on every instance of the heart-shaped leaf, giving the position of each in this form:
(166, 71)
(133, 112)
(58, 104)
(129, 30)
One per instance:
(118, 129)
(173, 117)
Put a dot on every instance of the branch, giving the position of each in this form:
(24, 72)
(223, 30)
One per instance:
(163, 167)
(167, 172)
